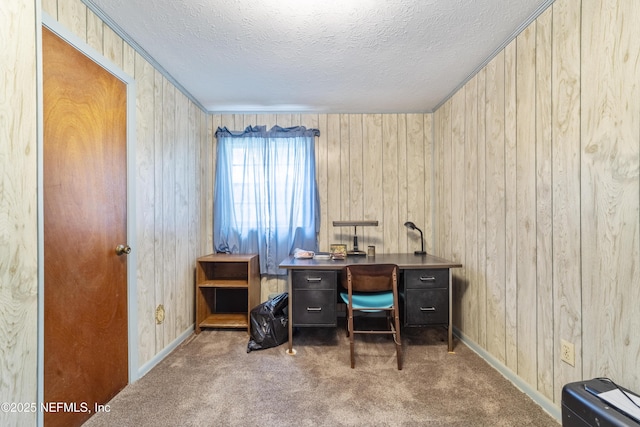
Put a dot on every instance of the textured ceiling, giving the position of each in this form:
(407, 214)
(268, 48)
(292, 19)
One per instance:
(325, 56)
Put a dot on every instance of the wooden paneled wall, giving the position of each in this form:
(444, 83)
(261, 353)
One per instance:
(369, 167)
(18, 209)
(535, 179)
(171, 133)
(538, 196)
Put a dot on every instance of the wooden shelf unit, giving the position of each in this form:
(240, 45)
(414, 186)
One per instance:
(227, 288)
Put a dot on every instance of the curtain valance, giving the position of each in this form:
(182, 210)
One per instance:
(262, 132)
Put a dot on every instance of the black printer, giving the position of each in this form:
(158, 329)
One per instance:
(582, 407)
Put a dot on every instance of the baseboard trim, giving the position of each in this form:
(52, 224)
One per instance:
(144, 369)
(535, 395)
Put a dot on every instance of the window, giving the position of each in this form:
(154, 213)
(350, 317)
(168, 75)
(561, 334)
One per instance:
(266, 198)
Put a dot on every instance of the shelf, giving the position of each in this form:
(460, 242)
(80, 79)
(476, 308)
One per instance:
(224, 283)
(225, 320)
(227, 288)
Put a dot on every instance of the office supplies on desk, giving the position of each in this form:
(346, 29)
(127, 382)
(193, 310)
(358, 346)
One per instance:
(338, 251)
(355, 251)
(303, 254)
(322, 255)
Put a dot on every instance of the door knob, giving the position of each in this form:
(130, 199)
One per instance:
(123, 250)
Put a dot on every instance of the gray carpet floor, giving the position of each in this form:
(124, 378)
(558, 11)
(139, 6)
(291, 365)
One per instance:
(211, 380)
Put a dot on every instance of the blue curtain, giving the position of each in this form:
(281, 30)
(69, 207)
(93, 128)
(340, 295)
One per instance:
(266, 197)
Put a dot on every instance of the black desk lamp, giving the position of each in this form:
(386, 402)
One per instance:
(412, 226)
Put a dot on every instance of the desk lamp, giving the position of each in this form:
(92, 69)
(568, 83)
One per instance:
(354, 224)
(411, 226)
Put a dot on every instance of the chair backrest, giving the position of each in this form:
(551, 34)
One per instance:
(370, 277)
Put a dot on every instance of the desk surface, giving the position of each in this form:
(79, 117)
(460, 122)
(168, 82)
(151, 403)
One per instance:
(403, 261)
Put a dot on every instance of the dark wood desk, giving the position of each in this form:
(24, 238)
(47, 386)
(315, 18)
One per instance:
(425, 277)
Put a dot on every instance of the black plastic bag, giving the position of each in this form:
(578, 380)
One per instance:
(269, 323)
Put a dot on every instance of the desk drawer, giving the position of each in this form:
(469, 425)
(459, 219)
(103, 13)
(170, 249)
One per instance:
(314, 279)
(426, 307)
(314, 307)
(427, 278)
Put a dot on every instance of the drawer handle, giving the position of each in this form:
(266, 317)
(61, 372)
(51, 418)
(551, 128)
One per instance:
(314, 279)
(427, 279)
(314, 308)
(427, 309)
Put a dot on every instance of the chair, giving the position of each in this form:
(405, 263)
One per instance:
(372, 288)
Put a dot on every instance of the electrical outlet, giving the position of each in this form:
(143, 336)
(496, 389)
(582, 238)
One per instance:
(160, 314)
(567, 352)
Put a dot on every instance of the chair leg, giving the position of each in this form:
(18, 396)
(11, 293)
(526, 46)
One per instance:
(397, 339)
(346, 326)
(351, 340)
(353, 357)
(394, 326)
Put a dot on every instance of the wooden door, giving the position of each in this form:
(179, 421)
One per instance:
(85, 282)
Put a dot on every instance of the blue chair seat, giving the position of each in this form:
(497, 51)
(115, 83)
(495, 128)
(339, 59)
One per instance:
(369, 299)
